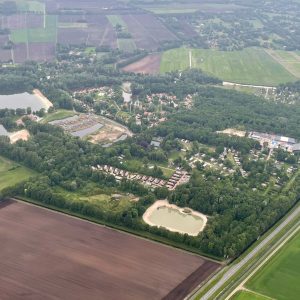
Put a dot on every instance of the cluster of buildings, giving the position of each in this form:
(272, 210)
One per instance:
(273, 141)
(179, 177)
(101, 91)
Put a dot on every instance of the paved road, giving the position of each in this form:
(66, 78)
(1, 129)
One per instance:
(235, 268)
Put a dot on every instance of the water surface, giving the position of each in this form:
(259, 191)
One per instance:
(23, 100)
(173, 219)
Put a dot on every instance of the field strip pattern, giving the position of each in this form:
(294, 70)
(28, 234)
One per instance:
(286, 63)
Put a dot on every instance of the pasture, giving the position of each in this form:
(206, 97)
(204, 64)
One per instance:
(249, 66)
(46, 255)
(279, 278)
(12, 173)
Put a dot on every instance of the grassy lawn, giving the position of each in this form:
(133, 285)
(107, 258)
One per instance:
(249, 66)
(127, 45)
(58, 115)
(279, 278)
(11, 173)
(245, 295)
(100, 198)
(36, 35)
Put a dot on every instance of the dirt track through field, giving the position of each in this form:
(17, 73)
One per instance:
(47, 255)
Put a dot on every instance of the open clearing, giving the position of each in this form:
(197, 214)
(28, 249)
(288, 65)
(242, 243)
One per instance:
(249, 66)
(279, 278)
(47, 255)
(11, 173)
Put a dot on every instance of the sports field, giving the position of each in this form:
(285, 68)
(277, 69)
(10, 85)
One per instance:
(279, 279)
(12, 173)
(249, 66)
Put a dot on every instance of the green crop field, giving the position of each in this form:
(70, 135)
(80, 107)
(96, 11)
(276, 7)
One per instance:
(115, 19)
(245, 295)
(279, 278)
(11, 173)
(127, 45)
(35, 35)
(249, 66)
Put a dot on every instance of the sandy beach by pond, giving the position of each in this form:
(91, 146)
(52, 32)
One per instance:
(46, 102)
(199, 220)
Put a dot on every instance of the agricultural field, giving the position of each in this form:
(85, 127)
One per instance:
(279, 278)
(289, 60)
(186, 8)
(249, 66)
(35, 27)
(11, 173)
(37, 35)
(116, 20)
(246, 295)
(147, 31)
(87, 260)
(127, 45)
(148, 65)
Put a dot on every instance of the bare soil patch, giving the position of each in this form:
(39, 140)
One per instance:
(47, 255)
(148, 65)
(19, 135)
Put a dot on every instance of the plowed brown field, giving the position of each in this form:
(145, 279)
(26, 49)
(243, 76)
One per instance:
(48, 255)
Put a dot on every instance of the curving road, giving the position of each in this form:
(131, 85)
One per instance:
(235, 268)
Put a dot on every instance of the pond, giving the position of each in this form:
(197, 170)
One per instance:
(23, 100)
(173, 218)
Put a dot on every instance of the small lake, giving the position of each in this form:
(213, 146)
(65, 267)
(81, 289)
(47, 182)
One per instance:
(174, 219)
(23, 100)
(3, 131)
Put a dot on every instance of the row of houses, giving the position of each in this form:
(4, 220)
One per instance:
(179, 177)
